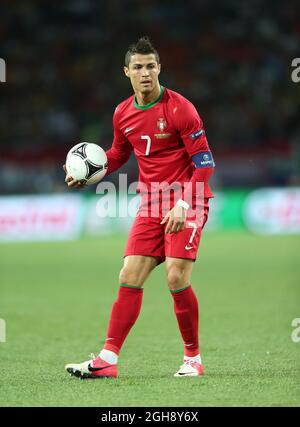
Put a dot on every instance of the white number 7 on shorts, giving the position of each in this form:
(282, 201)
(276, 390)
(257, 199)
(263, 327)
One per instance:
(194, 226)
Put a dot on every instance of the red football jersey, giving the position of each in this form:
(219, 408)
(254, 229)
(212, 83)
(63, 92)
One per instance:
(164, 136)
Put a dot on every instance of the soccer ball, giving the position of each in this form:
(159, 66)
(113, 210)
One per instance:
(86, 162)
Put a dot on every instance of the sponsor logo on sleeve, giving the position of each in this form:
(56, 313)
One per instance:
(197, 134)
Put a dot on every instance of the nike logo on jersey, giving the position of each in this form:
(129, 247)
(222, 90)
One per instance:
(188, 247)
(128, 129)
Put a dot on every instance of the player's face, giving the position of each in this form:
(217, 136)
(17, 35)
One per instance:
(143, 71)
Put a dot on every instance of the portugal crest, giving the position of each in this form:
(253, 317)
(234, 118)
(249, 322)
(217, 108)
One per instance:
(161, 124)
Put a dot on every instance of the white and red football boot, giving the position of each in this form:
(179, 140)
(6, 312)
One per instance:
(190, 368)
(94, 368)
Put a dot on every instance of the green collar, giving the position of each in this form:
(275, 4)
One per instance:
(145, 107)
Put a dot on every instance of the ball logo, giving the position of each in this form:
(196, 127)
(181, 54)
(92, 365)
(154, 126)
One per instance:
(2, 71)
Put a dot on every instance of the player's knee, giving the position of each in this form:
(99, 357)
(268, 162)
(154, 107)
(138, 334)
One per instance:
(130, 276)
(175, 277)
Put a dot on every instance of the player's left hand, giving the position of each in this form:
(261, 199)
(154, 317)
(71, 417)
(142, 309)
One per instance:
(175, 219)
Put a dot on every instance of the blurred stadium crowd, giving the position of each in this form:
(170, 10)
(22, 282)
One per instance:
(232, 59)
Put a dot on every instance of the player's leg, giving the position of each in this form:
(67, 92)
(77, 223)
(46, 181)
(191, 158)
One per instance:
(136, 269)
(178, 272)
(128, 304)
(181, 251)
(124, 313)
(144, 250)
(186, 310)
(185, 302)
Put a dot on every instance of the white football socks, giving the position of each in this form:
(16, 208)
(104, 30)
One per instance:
(193, 359)
(109, 356)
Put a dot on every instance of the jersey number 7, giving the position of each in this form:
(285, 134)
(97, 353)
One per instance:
(148, 140)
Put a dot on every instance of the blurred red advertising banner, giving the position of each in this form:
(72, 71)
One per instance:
(31, 218)
(273, 211)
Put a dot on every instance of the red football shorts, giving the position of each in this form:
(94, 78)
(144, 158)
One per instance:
(147, 237)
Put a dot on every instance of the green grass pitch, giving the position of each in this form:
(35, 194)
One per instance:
(56, 300)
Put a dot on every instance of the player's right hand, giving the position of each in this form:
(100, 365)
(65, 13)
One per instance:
(72, 182)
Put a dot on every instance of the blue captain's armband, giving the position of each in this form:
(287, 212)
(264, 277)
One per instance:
(203, 160)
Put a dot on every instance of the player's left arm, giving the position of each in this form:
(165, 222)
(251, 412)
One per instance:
(191, 129)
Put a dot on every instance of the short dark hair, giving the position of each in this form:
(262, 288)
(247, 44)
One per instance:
(142, 46)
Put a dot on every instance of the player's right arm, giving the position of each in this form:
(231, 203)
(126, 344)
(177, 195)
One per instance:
(117, 155)
(121, 148)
